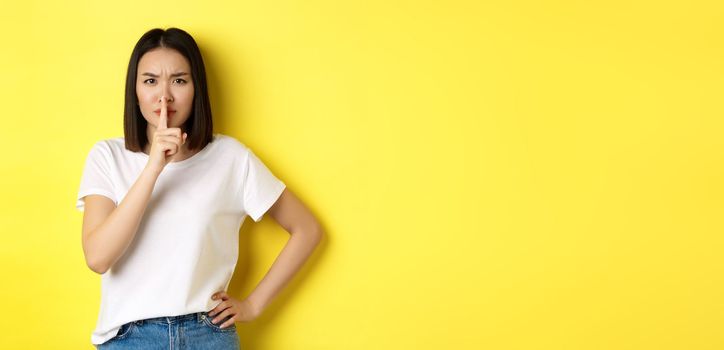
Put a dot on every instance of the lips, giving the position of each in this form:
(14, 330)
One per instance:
(168, 112)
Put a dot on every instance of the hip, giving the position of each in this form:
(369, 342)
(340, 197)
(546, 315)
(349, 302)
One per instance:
(190, 331)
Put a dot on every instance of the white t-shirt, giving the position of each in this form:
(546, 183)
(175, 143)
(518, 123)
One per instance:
(186, 246)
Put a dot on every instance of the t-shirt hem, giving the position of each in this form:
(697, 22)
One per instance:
(97, 339)
(268, 201)
(80, 202)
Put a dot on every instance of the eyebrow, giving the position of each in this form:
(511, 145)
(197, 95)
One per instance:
(172, 75)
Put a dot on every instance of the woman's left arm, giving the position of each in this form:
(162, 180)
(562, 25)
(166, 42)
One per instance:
(306, 233)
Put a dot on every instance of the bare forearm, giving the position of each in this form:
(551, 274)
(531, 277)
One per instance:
(296, 251)
(110, 240)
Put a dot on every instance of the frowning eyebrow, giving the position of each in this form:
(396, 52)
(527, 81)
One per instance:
(172, 75)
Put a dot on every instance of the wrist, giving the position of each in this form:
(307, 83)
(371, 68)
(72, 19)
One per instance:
(150, 170)
(256, 305)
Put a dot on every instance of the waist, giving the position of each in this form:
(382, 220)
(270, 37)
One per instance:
(196, 316)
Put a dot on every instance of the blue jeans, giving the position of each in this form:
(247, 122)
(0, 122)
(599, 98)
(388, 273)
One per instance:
(190, 331)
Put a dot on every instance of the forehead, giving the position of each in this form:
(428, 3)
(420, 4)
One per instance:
(162, 59)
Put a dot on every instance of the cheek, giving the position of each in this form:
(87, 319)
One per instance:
(143, 97)
(188, 97)
(144, 104)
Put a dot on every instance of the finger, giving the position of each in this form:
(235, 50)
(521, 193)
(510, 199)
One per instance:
(216, 309)
(221, 316)
(228, 322)
(218, 295)
(215, 296)
(163, 118)
(176, 133)
(169, 148)
(170, 131)
(219, 308)
(169, 138)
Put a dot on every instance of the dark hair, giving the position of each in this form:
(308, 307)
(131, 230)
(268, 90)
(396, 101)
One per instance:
(199, 125)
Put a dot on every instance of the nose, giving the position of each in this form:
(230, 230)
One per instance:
(165, 93)
(168, 99)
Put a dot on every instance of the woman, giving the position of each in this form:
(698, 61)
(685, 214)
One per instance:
(163, 207)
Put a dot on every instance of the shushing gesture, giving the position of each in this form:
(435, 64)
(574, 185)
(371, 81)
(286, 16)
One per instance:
(166, 141)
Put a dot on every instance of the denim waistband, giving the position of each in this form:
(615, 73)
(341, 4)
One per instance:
(197, 316)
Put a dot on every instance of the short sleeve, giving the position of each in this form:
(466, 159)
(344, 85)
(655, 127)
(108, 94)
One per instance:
(96, 177)
(260, 188)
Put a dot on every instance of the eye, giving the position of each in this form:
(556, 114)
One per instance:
(148, 80)
(182, 81)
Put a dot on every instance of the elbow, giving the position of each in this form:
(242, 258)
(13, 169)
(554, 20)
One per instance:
(93, 260)
(316, 234)
(96, 265)
(310, 232)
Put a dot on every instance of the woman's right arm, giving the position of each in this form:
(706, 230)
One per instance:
(107, 230)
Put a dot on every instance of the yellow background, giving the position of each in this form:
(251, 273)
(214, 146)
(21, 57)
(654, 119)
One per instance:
(527, 175)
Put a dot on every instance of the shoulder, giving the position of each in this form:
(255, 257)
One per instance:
(231, 144)
(102, 147)
(108, 149)
(115, 143)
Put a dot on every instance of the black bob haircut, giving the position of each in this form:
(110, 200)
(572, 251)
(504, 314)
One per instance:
(198, 126)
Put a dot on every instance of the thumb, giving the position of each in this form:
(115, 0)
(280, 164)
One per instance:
(219, 295)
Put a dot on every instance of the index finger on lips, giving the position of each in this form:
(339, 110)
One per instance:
(163, 118)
